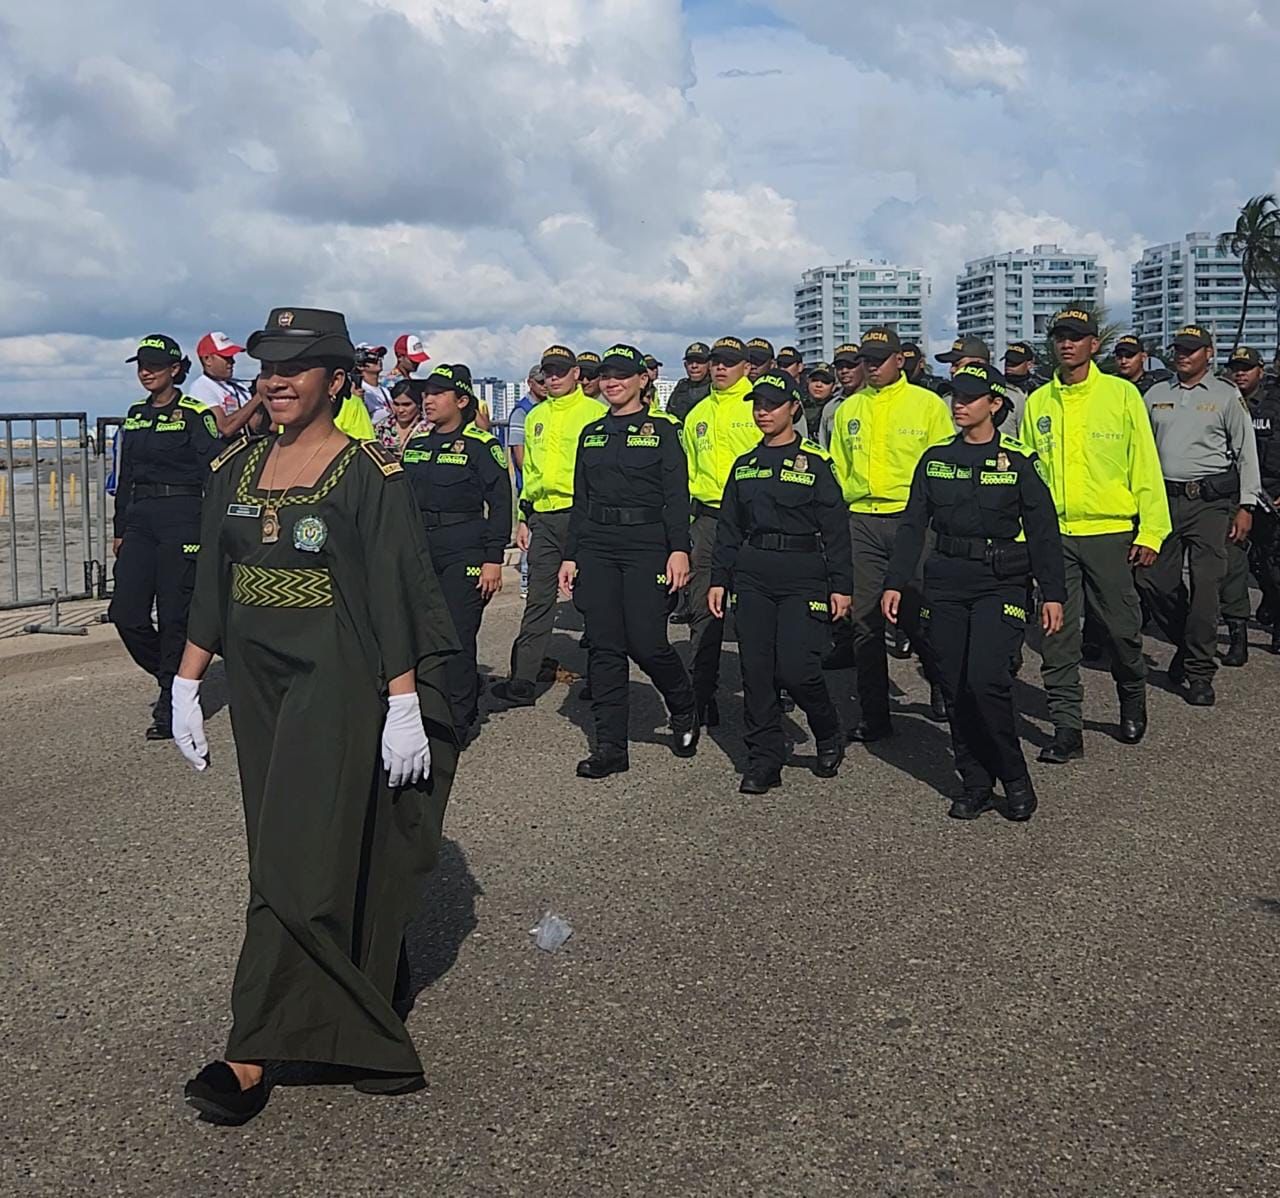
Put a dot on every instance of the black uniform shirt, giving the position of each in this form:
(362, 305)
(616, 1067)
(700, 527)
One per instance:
(635, 461)
(172, 445)
(1149, 378)
(1264, 411)
(463, 473)
(686, 395)
(789, 489)
(990, 492)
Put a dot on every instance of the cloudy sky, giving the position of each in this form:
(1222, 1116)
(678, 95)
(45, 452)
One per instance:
(497, 173)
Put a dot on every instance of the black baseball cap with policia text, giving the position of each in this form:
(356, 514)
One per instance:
(589, 364)
(1019, 353)
(759, 351)
(823, 373)
(1244, 358)
(1192, 336)
(729, 351)
(880, 343)
(788, 355)
(559, 356)
(622, 359)
(699, 351)
(773, 390)
(848, 354)
(1075, 321)
(650, 362)
(447, 378)
(1128, 346)
(965, 347)
(978, 378)
(155, 349)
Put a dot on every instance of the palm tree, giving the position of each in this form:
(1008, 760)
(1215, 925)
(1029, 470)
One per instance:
(1256, 242)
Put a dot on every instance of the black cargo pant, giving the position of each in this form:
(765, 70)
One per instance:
(459, 584)
(622, 593)
(1096, 566)
(873, 538)
(1260, 554)
(549, 534)
(975, 628)
(157, 567)
(784, 630)
(706, 634)
(1190, 618)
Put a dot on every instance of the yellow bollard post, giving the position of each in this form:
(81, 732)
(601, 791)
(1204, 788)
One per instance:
(71, 490)
(53, 489)
(4, 497)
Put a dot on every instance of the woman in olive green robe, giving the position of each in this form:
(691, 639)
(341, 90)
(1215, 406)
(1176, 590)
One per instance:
(323, 602)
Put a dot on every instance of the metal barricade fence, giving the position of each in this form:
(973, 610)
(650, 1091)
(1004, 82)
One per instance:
(46, 547)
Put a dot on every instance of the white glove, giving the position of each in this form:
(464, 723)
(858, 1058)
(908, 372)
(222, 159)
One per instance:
(406, 752)
(188, 723)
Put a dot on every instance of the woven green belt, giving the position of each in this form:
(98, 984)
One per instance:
(260, 586)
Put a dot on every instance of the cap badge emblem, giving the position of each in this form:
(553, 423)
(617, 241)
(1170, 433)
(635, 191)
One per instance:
(1002, 461)
(284, 320)
(802, 463)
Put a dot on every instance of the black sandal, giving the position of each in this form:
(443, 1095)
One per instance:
(216, 1094)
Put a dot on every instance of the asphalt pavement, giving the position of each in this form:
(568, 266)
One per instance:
(832, 989)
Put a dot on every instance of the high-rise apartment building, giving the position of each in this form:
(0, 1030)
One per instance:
(835, 304)
(1192, 281)
(1012, 297)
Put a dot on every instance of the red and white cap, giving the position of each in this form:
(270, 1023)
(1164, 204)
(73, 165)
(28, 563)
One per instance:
(217, 343)
(409, 345)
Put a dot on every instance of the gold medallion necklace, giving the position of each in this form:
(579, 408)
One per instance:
(270, 511)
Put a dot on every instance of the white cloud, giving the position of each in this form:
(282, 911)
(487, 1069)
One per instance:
(988, 62)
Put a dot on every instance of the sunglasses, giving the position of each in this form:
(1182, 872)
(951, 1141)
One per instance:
(557, 372)
(289, 370)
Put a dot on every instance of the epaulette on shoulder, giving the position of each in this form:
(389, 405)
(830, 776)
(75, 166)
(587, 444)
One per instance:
(185, 401)
(1014, 444)
(231, 450)
(478, 434)
(814, 448)
(382, 458)
(658, 414)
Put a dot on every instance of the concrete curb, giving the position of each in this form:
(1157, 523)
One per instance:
(36, 651)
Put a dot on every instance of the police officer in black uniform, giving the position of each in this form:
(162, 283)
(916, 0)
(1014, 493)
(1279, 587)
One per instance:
(627, 552)
(782, 546)
(696, 385)
(1020, 367)
(996, 527)
(459, 477)
(167, 444)
(1131, 360)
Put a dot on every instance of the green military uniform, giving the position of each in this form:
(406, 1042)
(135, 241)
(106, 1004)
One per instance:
(312, 627)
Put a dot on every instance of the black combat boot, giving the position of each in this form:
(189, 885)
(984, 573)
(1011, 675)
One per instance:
(830, 755)
(1200, 693)
(1133, 722)
(514, 692)
(604, 761)
(1067, 744)
(758, 780)
(1238, 650)
(867, 731)
(974, 802)
(685, 733)
(1020, 800)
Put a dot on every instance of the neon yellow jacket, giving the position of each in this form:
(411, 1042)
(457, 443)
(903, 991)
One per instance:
(551, 432)
(717, 432)
(353, 419)
(1098, 455)
(878, 438)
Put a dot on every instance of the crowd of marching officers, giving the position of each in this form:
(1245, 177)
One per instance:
(836, 514)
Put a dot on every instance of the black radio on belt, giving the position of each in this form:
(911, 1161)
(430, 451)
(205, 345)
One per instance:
(1216, 486)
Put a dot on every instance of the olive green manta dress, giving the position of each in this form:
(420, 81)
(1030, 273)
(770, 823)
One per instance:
(311, 628)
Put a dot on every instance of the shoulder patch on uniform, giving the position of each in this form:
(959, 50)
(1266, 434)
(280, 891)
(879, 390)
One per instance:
(657, 414)
(185, 401)
(382, 459)
(814, 448)
(1012, 443)
(227, 454)
(478, 434)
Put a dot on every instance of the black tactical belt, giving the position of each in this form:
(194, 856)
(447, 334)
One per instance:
(806, 543)
(597, 513)
(1195, 489)
(705, 509)
(166, 490)
(445, 519)
(974, 549)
